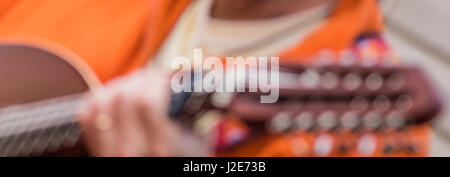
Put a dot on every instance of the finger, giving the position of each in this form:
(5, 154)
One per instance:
(131, 133)
(152, 108)
(98, 124)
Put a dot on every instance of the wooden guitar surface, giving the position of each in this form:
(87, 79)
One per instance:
(30, 74)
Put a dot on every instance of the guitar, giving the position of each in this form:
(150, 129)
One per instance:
(42, 90)
(356, 110)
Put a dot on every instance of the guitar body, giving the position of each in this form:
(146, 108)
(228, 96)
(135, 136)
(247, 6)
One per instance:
(29, 74)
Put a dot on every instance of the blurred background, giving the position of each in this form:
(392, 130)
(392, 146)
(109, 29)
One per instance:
(418, 31)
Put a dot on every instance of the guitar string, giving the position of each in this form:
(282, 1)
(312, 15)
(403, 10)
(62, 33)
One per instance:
(39, 112)
(32, 128)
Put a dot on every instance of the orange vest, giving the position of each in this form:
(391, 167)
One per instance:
(114, 37)
(106, 34)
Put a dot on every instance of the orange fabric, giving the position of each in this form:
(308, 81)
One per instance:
(105, 33)
(163, 16)
(114, 37)
(350, 19)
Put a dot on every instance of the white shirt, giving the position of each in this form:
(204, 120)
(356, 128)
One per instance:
(217, 37)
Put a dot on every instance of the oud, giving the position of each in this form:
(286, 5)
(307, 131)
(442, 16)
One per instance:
(42, 90)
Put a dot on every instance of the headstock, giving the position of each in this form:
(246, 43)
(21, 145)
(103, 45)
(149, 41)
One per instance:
(328, 99)
(333, 96)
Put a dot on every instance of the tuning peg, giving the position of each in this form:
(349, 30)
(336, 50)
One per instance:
(404, 103)
(382, 103)
(310, 79)
(372, 121)
(304, 121)
(327, 120)
(367, 145)
(374, 81)
(330, 80)
(396, 81)
(323, 145)
(395, 120)
(300, 147)
(280, 123)
(350, 120)
(352, 81)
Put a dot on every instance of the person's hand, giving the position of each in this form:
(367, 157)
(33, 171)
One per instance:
(129, 117)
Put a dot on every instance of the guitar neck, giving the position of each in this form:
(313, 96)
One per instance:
(50, 125)
(391, 96)
(35, 128)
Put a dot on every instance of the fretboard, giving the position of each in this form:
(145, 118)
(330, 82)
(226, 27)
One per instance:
(35, 128)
